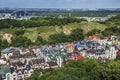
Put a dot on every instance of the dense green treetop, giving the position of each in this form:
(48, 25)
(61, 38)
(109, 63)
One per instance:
(85, 69)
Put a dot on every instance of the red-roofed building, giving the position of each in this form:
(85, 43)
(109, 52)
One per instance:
(107, 38)
(78, 57)
(118, 52)
(92, 37)
(69, 47)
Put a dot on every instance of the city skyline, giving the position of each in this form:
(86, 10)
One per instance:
(60, 4)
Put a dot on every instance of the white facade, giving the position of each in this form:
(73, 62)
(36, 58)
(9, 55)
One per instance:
(2, 62)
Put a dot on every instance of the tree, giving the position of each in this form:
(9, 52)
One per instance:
(39, 38)
(39, 41)
(19, 32)
(3, 44)
(77, 34)
(118, 57)
(111, 31)
(21, 41)
(37, 22)
(59, 37)
(84, 69)
(35, 76)
(93, 32)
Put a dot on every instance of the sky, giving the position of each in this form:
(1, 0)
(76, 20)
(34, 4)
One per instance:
(60, 3)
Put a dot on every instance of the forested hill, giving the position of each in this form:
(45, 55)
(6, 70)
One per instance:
(49, 21)
(40, 31)
(37, 22)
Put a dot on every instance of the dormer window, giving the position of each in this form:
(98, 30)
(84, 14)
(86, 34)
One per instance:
(8, 77)
(25, 72)
(19, 73)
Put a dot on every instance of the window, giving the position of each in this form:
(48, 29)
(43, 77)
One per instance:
(8, 77)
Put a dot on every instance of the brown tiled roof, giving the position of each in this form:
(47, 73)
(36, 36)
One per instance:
(19, 64)
(38, 61)
(52, 63)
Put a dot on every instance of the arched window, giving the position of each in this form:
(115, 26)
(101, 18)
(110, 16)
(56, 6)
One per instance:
(8, 77)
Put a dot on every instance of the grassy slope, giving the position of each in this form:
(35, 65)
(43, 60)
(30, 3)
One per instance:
(45, 31)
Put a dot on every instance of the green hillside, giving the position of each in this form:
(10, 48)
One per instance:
(41, 31)
(46, 31)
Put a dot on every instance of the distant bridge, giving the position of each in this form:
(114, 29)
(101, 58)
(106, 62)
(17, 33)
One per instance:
(19, 13)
